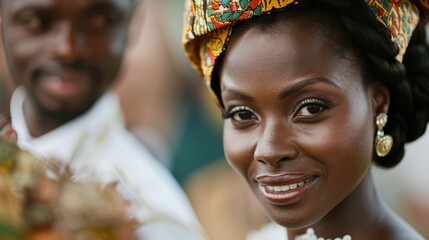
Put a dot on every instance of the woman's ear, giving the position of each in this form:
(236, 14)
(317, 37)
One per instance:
(380, 98)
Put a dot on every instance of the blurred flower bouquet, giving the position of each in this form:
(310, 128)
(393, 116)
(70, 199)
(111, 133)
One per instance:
(34, 206)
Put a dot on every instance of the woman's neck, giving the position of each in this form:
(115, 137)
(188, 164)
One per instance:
(362, 215)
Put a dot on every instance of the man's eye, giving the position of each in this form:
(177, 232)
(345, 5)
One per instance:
(102, 21)
(30, 21)
(98, 22)
(310, 108)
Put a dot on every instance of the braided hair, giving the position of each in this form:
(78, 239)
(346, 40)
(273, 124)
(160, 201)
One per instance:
(407, 82)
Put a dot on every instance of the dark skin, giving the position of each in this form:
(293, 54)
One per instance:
(65, 53)
(308, 124)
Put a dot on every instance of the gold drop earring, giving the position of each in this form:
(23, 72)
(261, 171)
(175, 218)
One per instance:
(383, 143)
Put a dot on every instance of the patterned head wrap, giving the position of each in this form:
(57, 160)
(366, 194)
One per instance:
(208, 25)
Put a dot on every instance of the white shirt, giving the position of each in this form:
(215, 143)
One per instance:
(98, 148)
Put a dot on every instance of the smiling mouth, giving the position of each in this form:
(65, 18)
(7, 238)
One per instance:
(65, 85)
(284, 194)
(288, 187)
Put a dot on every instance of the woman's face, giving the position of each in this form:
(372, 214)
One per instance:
(299, 122)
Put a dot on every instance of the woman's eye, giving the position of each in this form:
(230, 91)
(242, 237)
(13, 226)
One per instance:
(310, 108)
(240, 114)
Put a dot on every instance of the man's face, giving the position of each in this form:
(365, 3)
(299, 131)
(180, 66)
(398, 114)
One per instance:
(66, 53)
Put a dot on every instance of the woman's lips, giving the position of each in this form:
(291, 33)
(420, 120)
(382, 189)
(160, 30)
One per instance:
(285, 189)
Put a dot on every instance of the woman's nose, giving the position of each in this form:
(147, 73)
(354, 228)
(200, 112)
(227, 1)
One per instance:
(275, 145)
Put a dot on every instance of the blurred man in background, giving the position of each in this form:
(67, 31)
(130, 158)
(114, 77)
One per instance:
(64, 57)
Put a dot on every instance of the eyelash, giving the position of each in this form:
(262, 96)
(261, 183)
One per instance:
(229, 113)
(311, 102)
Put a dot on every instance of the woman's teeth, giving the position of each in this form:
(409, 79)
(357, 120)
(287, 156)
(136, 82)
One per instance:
(285, 187)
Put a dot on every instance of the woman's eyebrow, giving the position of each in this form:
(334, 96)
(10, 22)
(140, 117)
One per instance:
(304, 83)
(237, 94)
(289, 91)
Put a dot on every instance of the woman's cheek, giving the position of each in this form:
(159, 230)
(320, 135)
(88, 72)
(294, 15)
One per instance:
(238, 148)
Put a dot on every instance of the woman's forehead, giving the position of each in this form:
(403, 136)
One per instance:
(294, 38)
(288, 55)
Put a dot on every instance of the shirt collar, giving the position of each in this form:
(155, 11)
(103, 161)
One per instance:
(62, 142)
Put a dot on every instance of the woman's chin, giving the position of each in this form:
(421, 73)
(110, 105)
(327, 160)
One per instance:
(302, 221)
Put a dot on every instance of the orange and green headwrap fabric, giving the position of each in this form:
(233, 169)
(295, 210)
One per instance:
(208, 24)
